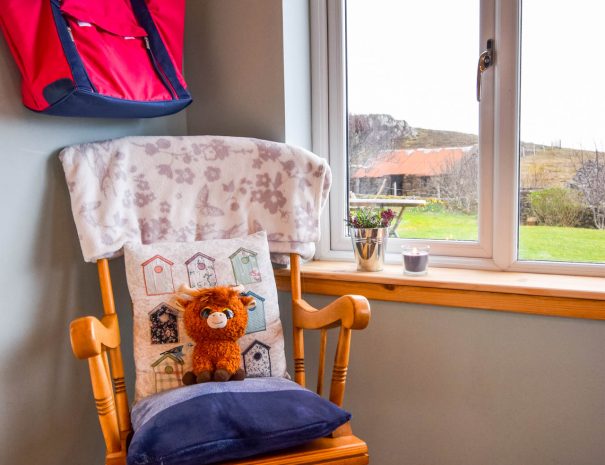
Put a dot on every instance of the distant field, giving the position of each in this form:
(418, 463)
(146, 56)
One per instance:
(536, 242)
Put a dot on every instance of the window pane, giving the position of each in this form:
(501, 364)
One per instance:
(413, 114)
(562, 125)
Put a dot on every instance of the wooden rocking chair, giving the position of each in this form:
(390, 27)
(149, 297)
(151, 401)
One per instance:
(98, 341)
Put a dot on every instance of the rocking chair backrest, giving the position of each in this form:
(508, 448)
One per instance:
(112, 401)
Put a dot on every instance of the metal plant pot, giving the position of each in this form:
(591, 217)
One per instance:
(369, 245)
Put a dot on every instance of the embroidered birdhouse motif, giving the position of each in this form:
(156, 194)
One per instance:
(168, 371)
(256, 314)
(164, 324)
(157, 272)
(245, 266)
(257, 362)
(200, 269)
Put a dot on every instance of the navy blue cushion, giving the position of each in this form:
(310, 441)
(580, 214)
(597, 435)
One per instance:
(212, 422)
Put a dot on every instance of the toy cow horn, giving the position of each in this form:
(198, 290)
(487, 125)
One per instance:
(184, 289)
(183, 295)
(238, 288)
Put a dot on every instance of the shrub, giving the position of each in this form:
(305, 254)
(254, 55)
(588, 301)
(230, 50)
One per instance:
(557, 206)
(458, 183)
(590, 180)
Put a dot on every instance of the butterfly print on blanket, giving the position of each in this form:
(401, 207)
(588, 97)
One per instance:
(203, 205)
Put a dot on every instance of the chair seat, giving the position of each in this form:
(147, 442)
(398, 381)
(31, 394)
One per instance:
(349, 450)
(216, 422)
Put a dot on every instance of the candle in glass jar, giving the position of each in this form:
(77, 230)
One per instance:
(415, 260)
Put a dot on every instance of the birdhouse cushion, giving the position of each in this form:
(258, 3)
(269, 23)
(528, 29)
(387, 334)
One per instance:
(239, 419)
(161, 346)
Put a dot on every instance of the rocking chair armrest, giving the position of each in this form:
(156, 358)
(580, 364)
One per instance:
(88, 334)
(348, 311)
(89, 339)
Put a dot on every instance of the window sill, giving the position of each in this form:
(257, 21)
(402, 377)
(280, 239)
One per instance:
(540, 294)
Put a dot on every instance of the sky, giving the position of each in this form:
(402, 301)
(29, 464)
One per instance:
(418, 61)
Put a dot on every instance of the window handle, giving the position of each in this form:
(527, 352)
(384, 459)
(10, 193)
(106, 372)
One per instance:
(486, 59)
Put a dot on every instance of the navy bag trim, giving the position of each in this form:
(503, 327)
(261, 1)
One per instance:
(158, 48)
(90, 104)
(69, 49)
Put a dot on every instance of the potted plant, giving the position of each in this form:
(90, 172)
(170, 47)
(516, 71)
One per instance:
(369, 229)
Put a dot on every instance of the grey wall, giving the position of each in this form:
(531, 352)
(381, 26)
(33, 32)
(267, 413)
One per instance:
(251, 69)
(444, 386)
(427, 385)
(46, 414)
(234, 51)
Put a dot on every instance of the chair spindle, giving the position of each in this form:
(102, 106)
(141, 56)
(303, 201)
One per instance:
(103, 394)
(298, 335)
(322, 360)
(341, 364)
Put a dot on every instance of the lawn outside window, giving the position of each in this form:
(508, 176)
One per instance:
(489, 197)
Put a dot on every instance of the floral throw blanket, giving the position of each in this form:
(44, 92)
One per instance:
(155, 189)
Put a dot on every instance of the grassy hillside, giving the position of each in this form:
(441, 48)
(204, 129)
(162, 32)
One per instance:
(543, 166)
(429, 138)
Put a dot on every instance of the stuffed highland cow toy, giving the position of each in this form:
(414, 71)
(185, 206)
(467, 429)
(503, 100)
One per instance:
(215, 318)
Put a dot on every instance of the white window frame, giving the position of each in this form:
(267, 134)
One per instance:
(496, 248)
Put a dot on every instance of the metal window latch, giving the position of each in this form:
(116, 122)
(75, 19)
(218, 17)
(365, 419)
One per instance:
(486, 59)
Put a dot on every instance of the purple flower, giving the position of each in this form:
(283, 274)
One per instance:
(263, 180)
(165, 207)
(272, 200)
(184, 176)
(212, 173)
(367, 217)
(141, 198)
(163, 143)
(386, 217)
(151, 149)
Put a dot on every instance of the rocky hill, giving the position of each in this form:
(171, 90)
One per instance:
(371, 134)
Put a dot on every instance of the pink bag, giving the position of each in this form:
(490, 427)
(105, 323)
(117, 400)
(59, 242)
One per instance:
(104, 58)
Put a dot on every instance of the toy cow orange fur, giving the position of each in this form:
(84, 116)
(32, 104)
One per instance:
(215, 318)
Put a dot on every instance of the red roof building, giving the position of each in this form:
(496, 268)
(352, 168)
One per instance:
(412, 162)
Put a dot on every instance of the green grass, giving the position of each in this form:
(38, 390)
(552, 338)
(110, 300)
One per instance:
(418, 224)
(562, 244)
(536, 242)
